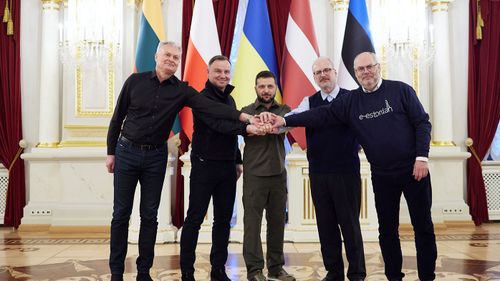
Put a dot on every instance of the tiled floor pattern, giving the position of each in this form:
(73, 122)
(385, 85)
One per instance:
(461, 257)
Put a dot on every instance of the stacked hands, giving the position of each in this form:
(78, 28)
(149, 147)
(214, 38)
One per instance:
(264, 123)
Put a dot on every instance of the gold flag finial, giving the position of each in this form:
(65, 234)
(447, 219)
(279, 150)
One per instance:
(479, 23)
(6, 12)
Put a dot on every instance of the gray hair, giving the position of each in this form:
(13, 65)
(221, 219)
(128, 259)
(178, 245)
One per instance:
(372, 54)
(171, 43)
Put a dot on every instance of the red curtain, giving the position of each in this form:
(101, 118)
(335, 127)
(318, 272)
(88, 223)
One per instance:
(225, 15)
(278, 15)
(10, 114)
(483, 97)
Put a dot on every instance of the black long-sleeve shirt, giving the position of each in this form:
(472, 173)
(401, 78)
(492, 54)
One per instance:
(146, 109)
(216, 139)
(390, 123)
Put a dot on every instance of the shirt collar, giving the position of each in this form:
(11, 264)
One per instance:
(376, 88)
(334, 93)
(171, 80)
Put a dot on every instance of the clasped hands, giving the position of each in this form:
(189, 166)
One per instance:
(265, 123)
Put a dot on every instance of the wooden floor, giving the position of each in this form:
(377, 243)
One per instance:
(464, 253)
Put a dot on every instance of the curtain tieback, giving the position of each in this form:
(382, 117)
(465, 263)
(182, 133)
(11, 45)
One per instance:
(22, 146)
(468, 143)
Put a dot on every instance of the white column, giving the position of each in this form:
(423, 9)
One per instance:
(441, 88)
(49, 75)
(340, 8)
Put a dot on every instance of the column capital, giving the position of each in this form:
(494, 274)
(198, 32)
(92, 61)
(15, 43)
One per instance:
(339, 5)
(439, 5)
(51, 4)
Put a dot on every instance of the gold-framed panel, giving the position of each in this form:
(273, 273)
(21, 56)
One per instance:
(80, 112)
(82, 144)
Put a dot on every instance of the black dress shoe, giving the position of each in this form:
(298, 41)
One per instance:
(218, 274)
(143, 277)
(116, 277)
(330, 276)
(188, 276)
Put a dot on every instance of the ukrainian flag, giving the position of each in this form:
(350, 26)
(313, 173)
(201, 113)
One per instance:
(151, 32)
(255, 53)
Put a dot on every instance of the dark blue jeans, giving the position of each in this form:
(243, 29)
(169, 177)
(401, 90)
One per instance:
(147, 167)
(214, 180)
(418, 195)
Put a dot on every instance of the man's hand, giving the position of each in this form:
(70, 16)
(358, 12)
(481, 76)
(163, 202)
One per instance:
(253, 130)
(110, 163)
(420, 170)
(267, 117)
(249, 119)
(239, 170)
(278, 122)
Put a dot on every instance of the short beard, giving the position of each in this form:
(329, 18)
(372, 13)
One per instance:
(264, 101)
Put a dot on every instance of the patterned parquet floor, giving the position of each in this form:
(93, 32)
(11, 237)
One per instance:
(464, 253)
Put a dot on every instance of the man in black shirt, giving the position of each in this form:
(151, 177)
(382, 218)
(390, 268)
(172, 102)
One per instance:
(216, 166)
(137, 151)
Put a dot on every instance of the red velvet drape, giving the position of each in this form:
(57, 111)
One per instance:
(278, 16)
(483, 98)
(225, 15)
(10, 115)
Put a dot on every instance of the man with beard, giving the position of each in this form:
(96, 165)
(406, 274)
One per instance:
(333, 158)
(216, 166)
(264, 187)
(137, 150)
(394, 130)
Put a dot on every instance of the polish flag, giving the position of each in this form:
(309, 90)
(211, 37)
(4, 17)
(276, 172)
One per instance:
(203, 45)
(301, 50)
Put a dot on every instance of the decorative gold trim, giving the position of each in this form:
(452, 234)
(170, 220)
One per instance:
(339, 5)
(304, 207)
(79, 89)
(443, 143)
(90, 127)
(82, 144)
(439, 3)
(415, 71)
(364, 199)
(383, 63)
(439, 10)
(48, 145)
(55, 2)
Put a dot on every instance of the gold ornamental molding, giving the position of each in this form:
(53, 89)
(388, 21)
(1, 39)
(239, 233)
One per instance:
(443, 143)
(80, 112)
(48, 145)
(90, 127)
(82, 144)
(51, 4)
(440, 5)
(339, 5)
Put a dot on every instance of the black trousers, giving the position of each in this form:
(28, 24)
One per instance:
(147, 167)
(418, 195)
(216, 180)
(336, 200)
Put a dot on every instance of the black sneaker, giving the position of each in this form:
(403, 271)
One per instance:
(218, 274)
(188, 276)
(143, 277)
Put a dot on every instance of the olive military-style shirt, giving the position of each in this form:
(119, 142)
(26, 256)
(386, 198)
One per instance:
(265, 155)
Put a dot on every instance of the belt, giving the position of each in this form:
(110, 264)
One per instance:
(140, 146)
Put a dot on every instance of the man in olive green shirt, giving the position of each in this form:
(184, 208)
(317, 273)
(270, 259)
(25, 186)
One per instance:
(264, 187)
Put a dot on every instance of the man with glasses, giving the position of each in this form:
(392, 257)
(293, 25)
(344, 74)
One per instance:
(333, 158)
(394, 130)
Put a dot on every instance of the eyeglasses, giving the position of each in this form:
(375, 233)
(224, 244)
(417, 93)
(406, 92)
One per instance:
(325, 71)
(368, 68)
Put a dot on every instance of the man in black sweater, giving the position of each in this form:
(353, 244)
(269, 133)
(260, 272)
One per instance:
(333, 158)
(394, 130)
(216, 166)
(137, 150)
